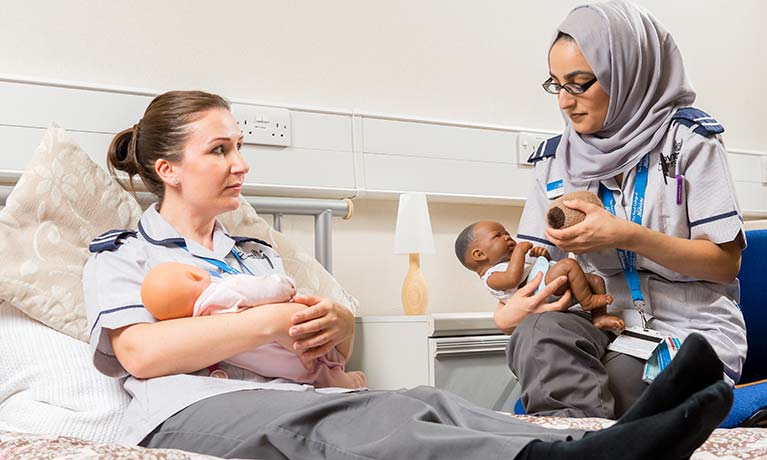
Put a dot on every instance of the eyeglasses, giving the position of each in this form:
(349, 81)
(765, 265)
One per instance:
(573, 88)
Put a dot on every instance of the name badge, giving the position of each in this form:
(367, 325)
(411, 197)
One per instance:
(555, 189)
(637, 342)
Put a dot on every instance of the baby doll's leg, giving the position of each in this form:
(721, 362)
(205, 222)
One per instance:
(599, 316)
(588, 296)
(337, 377)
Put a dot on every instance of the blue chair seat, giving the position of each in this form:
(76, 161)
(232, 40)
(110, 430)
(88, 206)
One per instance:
(749, 409)
(750, 405)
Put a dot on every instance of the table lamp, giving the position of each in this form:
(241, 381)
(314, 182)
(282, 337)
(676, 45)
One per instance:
(413, 236)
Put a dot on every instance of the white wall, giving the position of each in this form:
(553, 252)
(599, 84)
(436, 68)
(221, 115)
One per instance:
(477, 61)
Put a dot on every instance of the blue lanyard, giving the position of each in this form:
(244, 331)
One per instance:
(220, 264)
(628, 258)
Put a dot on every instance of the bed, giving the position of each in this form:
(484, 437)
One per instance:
(730, 444)
(53, 403)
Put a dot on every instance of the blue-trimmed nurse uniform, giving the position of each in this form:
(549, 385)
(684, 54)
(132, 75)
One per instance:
(633, 137)
(112, 284)
(705, 207)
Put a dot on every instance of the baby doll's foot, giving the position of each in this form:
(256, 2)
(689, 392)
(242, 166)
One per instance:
(608, 322)
(359, 379)
(597, 301)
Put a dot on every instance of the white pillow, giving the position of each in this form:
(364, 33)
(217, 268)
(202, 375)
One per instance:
(48, 384)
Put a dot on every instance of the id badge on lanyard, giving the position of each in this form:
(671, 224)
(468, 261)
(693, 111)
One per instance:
(634, 341)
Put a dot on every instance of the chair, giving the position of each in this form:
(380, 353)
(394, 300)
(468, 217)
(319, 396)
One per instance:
(749, 408)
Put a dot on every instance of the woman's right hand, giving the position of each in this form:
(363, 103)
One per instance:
(599, 230)
(525, 302)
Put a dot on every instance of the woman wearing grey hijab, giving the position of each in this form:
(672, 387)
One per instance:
(667, 242)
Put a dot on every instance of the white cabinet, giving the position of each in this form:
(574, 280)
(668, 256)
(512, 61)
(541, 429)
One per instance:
(463, 353)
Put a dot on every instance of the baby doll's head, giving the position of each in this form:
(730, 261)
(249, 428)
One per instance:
(170, 289)
(483, 244)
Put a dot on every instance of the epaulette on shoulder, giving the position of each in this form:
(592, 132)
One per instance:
(546, 149)
(698, 121)
(111, 240)
(245, 239)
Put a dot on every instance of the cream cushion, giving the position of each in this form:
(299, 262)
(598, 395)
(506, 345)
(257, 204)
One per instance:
(62, 201)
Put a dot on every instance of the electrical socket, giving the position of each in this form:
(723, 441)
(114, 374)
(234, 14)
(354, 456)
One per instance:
(263, 125)
(527, 142)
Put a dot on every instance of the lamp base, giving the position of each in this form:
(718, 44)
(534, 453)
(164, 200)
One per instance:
(415, 296)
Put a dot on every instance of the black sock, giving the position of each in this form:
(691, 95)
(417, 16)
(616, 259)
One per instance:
(695, 366)
(670, 435)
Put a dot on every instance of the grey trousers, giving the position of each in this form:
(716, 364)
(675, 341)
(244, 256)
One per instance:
(407, 424)
(564, 368)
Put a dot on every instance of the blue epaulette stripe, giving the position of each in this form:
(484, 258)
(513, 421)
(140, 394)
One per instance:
(714, 218)
(110, 243)
(698, 121)
(100, 247)
(535, 156)
(546, 149)
(111, 237)
(534, 238)
(109, 234)
(106, 312)
(245, 239)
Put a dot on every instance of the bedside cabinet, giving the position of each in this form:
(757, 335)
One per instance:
(460, 352)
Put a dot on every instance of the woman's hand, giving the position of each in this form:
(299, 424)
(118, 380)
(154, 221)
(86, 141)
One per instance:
(524, 302)
(599, 230)
(320, 327)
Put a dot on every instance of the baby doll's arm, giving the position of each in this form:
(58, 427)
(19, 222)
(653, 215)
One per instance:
(539, 251)
(511, 278)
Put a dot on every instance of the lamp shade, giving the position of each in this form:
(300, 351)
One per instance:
(413, 232)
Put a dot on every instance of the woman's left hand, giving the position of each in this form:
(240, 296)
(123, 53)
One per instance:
(320, 327)
(599, 230)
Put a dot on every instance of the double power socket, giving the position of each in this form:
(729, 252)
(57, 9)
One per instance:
(262, 125)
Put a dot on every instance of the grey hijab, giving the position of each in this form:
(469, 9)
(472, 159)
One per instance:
(637, 62)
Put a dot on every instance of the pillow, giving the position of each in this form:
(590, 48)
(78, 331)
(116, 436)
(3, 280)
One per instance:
(48, 384)
(61, 202)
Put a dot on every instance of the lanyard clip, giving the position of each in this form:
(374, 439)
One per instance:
(640, 306)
